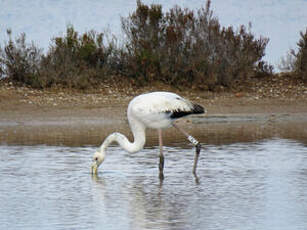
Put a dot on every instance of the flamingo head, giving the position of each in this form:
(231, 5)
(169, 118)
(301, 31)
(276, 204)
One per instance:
(98, 158)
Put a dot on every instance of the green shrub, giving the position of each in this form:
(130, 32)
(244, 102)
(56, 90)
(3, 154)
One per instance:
(76, 61)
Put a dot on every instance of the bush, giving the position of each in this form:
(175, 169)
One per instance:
(77, 61)
(180, 47)
(73, 61)
(296, 62)
(20, 61)
(183, 47)
(300, 64)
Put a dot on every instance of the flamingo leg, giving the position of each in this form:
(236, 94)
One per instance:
(194, 142)
(161, 164)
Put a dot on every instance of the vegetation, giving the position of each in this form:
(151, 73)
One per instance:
(20, 62)
(187, 47)
(300, 64)
(296, 62)
(77, 61)
(179, 47)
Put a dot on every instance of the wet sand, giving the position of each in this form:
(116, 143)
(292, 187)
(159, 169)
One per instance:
(229, 119)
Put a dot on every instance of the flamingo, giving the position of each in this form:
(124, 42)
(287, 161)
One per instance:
(157, 110)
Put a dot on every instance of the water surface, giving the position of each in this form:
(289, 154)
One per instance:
(254, 185)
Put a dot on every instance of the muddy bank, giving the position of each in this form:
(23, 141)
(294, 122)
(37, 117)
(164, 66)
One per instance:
(31, 117)
(80, 130)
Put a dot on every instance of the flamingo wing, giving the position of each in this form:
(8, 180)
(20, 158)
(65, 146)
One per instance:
(160, 109)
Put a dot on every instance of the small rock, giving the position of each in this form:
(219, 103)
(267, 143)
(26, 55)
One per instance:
(239, 94)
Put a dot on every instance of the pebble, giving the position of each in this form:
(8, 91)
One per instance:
(285, 89)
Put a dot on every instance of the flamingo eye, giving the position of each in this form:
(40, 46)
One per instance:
(96, 158)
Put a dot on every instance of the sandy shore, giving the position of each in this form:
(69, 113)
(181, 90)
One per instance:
(72, 118)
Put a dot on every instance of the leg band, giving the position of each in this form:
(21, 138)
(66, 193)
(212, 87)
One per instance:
(193, 140)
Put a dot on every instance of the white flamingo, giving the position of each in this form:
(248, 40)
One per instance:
(156, 110)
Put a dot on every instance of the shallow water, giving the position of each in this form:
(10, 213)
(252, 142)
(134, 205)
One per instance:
(254, 185)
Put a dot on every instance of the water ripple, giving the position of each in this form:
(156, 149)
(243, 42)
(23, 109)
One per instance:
(256, 185)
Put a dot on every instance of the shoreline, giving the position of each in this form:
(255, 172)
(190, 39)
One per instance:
(34, 117)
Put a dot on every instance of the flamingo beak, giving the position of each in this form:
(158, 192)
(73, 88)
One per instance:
(94, 168)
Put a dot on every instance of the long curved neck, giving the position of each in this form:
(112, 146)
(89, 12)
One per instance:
(138, 130)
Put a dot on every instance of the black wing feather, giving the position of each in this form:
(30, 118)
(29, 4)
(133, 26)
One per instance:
(196, 109)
